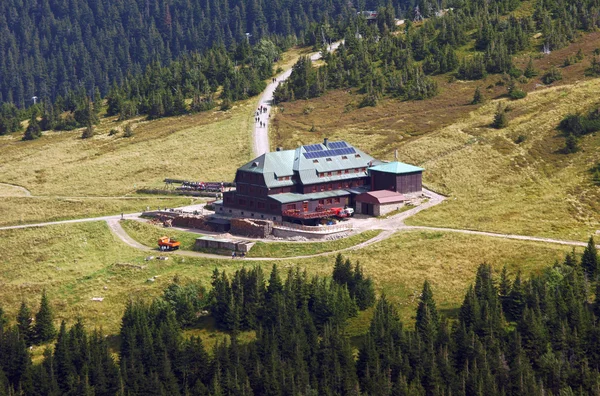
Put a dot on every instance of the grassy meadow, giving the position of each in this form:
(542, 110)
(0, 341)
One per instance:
(75, 262)
(148, 234)
(494, 182)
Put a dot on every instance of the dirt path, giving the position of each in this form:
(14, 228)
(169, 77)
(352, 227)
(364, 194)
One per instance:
(261, 131)
(24, 192)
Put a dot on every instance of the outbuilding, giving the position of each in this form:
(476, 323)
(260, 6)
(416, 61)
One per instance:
(396, 176)
(379, 203)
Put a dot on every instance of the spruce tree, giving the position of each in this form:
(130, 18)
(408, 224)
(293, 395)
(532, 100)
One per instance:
(530, 71)
(589, 260)
(44, 329)
(24, 320)
(427, 320)
(500, 119)
(33, 131)
(478, 96)
(571, 144)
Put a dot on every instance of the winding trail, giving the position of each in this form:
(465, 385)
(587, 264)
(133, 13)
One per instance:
(389, 226)
(25, 192)
(261, 132)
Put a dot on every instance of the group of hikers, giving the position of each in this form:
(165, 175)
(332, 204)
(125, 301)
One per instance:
(262, 109)
(234, 255)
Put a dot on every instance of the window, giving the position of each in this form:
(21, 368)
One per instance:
(229, 210)
(321, 201)
(338, 173)
(355, 170)
(290, 206)
(336, 200)
(328, 159)
(357, 156)
(328, 173)
(344, 157)
(241, 202)
(328, 201)
(329, 187)
(321, 174)
(322, 187)
(347, 171)
(242, 213)
(315, 161)
(260, 205)
(314, 188)
(273, 206)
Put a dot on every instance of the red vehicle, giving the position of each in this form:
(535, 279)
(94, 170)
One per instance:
(166, 243)
(343, 212)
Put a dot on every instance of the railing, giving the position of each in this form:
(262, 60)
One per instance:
(323, 228)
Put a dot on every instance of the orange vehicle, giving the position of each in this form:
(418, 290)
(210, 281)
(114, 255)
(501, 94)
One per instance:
(166, 243)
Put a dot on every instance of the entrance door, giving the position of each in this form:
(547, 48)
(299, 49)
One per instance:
(364, 208)
(305, 206)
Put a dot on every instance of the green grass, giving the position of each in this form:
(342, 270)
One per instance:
(75, 262)
(148, 234)
(291, 249)
(204, 146)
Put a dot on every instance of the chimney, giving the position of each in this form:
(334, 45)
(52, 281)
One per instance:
(396, 154)
(325, 141)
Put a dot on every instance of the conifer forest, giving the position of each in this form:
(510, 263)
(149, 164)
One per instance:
(511, 336)
(165, 58)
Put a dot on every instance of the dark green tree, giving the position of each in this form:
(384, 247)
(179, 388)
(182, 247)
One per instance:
(33, 131)
(478, 96)
(44, 329)
(589, 259)
(500, 119)
(24, 321)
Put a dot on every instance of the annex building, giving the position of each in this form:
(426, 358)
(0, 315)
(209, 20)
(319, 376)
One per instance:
(308, 183)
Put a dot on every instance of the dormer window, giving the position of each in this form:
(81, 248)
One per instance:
(315, 161)
(344, 157)
(328, 159)
(356, 155)
(254, 164)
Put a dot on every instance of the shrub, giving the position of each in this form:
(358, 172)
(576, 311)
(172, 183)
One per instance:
(520, 139)
(113, 132)
(551, 76)
(500, 119)
(368, 100)
(128, 132)
(478, 96)
(517, 93)
(33, 131)
(88, 132)
(571, 144)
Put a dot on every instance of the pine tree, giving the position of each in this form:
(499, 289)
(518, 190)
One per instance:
(589, 260)
(530, 71)
(571, 144)
(427, 320)
(128, 131)
(500, 119)
(88, 132)
(33, 131)
(24, 320)
(478, 96)
(44, 329)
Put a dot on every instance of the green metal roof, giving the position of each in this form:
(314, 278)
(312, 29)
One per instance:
(293, 197)
(396, 168)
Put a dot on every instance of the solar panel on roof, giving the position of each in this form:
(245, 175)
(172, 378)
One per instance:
(312, 147)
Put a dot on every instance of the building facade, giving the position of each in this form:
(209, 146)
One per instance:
(308, 182)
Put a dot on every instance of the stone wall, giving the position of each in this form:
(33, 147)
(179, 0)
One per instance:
(251, 228)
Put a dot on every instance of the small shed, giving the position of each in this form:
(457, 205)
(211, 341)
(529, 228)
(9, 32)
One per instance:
(378, 203)
(396, 176)
(228, 245)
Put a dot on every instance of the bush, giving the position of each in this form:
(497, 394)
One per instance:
(33, 131)
(478, 96)
(520, 139)
(88, 132)
(368, 100)
(225, 105)
(128, 132)
(517, 93)
(113, 132)
(500, 119)
(571, 145)
(551, 76)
